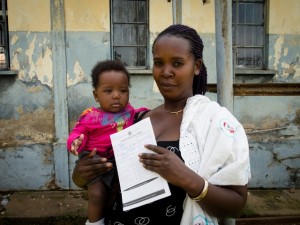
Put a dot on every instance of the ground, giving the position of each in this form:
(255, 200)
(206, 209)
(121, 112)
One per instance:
(276, 207)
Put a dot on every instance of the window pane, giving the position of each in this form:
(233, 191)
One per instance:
(2, 25)
(4, 45)
(250, 13)
(248, 32)
(249, 57)
(250, 36)
(233, 12)
(133, 56)
(130, 34)
(129, 11)
(233, 35)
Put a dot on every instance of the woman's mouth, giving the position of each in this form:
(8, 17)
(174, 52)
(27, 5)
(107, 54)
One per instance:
(167, 85)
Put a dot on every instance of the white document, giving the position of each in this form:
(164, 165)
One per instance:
(138, 185)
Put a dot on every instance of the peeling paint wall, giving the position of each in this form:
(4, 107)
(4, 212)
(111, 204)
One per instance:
(272, 124)
(284, 56)
(27, 118)
(32, 57)
(26, 100)
(28, 167)
(284, 39)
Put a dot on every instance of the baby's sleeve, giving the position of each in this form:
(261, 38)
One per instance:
(80, 128)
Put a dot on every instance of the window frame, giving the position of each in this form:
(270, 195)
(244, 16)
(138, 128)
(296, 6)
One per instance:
(4, 42)
(264, 47)
(147, 42)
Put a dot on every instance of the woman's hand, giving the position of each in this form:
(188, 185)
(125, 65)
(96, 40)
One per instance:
(166, 163)
(220, 201)
(88, 167)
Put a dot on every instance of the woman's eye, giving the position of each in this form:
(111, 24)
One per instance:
(177, 64)
(157, 63)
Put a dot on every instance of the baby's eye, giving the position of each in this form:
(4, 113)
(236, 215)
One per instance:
(124, 90)
(107, 91)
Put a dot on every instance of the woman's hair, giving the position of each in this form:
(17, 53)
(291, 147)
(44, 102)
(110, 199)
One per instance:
(190, 34)
(107, 65)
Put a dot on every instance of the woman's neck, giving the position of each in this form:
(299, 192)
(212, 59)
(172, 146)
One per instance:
(174, 106)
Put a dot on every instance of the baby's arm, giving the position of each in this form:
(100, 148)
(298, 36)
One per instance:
(77, 139)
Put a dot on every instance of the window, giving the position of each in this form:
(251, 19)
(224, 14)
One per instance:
(129, 36)
(4, 47)
(248, 29)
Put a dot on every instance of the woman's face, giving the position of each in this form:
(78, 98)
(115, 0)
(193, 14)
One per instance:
(174, 67)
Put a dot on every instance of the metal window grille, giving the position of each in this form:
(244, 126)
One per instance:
(248, 32)
(4, 47)
(129, 36)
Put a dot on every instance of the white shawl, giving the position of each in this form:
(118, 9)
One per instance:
(214, 145)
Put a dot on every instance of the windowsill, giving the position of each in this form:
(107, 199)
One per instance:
(261, 89)
(267, 72)
(139, 71)
(8, 72)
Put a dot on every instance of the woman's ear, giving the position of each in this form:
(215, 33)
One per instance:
(198, 64)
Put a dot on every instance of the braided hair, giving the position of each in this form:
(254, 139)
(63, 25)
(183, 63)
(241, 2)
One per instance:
(190, 34)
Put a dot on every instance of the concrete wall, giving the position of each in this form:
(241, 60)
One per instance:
(28, 114)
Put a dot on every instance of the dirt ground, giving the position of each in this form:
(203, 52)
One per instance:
(69, 207)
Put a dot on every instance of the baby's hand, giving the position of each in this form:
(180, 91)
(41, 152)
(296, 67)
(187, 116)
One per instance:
(76, 144)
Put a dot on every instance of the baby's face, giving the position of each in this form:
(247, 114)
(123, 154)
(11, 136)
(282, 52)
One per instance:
(112, 92)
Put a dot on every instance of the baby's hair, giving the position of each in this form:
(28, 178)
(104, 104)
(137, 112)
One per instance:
(190, 34)
(107, 65)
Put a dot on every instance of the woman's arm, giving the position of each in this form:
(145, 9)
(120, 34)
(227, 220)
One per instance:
(225, 201)
(220, 201)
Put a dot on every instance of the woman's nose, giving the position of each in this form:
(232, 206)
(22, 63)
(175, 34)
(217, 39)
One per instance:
(167, 72)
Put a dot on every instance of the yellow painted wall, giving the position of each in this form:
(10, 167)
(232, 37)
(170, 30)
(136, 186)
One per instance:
(34, 15)
(194, 13)
(94, 15)
(284, 17)
(199, 16)
(87, 15)
(29, 15)
(160, 15)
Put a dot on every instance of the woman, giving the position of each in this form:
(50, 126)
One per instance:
(202, 149)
